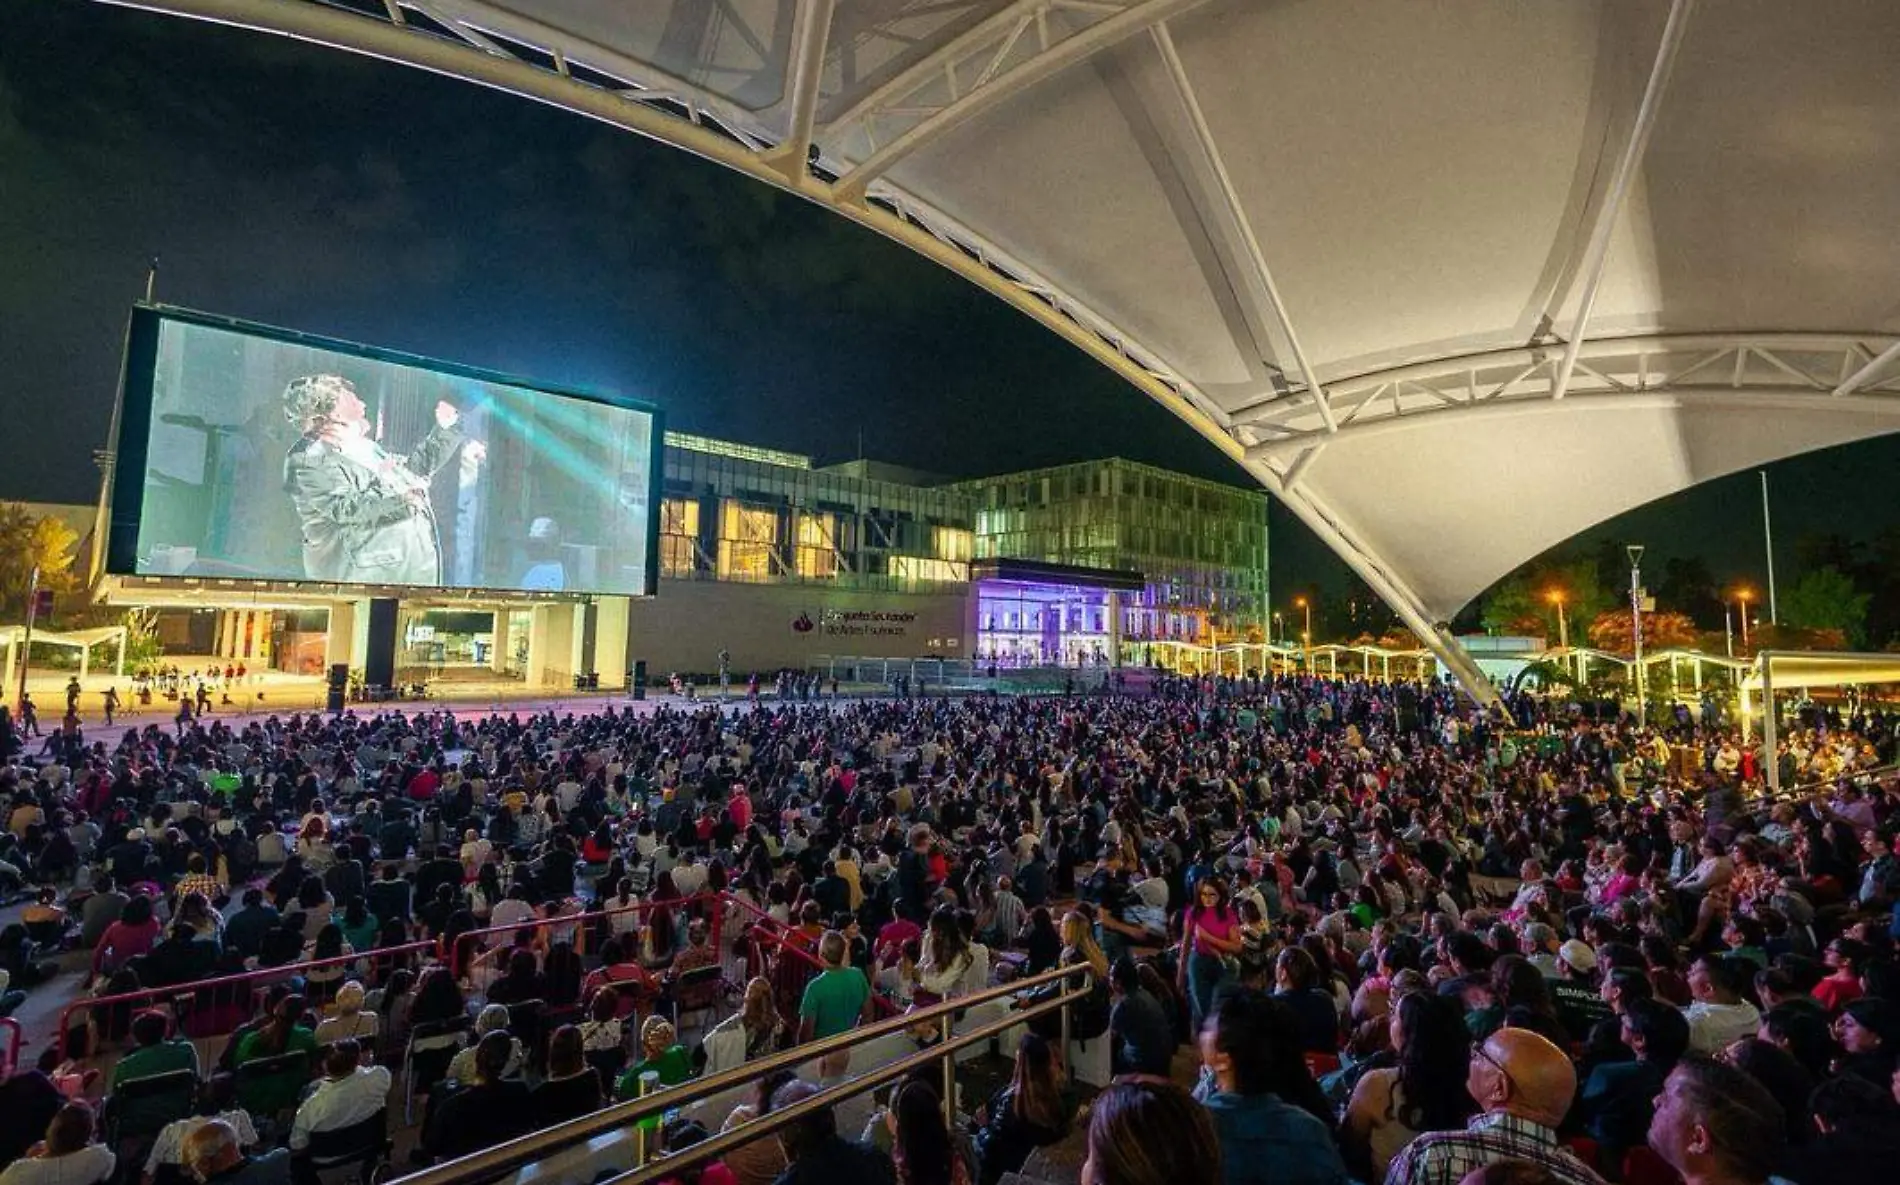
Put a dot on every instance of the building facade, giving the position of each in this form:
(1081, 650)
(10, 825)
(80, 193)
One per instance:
(1200, 547)
(778, 562)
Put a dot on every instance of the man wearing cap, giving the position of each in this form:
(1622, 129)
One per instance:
(365, 513)
(1579, 1002)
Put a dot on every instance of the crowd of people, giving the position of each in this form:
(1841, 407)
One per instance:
(1387, 933)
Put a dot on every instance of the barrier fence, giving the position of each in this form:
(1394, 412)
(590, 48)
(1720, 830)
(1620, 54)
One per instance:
(771, 949)
(585, 922)
(496, 1163)
(215, 1006)
(202, 1007)
(10, 1050)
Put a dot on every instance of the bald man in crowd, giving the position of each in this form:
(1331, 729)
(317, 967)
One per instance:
(1523, 1086)
(215, 1157)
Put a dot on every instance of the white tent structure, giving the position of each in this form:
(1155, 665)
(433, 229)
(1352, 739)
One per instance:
(1453, 280)
(1806, 669)
(13, 637)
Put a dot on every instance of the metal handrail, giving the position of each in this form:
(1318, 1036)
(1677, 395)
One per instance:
(492, 1162)
(457, 959)
(15, 1035)
(156, 995)
(765, 928)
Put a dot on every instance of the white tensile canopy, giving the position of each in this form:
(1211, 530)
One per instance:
(1453, 280)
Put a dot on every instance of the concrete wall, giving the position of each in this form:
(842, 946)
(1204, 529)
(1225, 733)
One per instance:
(685, 627)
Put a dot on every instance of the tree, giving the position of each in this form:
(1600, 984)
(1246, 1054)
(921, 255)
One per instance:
(26, 540)
(1522, 603)
(1827, 599)
(1661, 631)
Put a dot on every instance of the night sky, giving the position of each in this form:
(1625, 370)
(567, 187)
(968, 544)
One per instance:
(322, 191)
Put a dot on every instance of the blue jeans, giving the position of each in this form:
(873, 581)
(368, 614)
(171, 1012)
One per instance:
(1204, 973)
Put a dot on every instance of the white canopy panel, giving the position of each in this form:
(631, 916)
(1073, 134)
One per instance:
(1454, 280)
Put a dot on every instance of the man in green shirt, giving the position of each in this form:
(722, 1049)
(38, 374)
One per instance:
(155, 1052)
(838, 998)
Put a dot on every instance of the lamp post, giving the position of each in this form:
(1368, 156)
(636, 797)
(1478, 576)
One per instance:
(1306, 637)
(1279, 626)
(1742, 596)
(1563, 619)
(1635, 552)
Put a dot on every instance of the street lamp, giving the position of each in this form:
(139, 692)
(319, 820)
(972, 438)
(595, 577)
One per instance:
(1279, 626)
(1556, 597)
(1306, 637)
(1635, 552)
(1742, 597)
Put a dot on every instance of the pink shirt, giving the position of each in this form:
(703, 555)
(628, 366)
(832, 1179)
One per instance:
(1205, 922)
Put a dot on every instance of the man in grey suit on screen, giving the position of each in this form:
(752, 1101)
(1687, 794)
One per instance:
(365, 513)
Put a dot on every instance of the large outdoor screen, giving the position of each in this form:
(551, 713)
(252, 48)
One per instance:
(256, 454)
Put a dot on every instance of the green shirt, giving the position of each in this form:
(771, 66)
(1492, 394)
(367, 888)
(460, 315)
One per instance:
(834, 1001)
(673, 1067)
(149, 1060)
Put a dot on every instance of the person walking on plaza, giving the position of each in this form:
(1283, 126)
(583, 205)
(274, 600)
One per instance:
(72, 696)
(29, 717)
(111, 700)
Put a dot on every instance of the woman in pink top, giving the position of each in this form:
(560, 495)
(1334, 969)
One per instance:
(132, 935)
(1627, 879)
(1209, 930)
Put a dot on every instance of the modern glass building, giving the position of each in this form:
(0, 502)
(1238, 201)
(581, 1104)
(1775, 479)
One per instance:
(733, 512)
(1200, 549)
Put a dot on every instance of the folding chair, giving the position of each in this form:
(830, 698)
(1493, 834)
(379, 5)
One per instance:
(365, 1145)
(697, 990)
(609, 1064)
(139, 1108)
(268, 1087)
(433, 1044)
(527, 1021)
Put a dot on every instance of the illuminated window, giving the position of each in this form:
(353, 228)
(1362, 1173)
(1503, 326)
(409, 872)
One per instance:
(913, 569)
(747, 535)
(953, 543)
(679, 534)
(817, 546)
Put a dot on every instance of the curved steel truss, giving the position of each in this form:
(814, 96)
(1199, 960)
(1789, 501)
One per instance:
(1803, 372)
(816, 107)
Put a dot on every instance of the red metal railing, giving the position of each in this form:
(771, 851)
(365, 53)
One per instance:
(768, 937)
(582, 923)
(10, 1058)
(766, 946)
(226, 991)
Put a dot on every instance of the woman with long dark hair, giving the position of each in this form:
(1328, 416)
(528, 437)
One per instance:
(1424, 1092)
(1144, 1131)
(562, 971)
(1028, 1113)
(1210, 931)
(661, 936)
(438, 997)
(760, 1161)
(921, 1146)
(1041, 939)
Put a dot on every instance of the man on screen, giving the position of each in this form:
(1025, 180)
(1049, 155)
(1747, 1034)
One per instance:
(365, 513)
